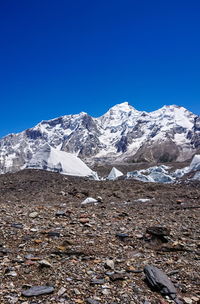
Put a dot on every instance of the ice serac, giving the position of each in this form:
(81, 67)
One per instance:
(50, 159)
(195, 164)
(156, 174)
(196, 176)
(114, 174)
(171, 133)
(193, 167)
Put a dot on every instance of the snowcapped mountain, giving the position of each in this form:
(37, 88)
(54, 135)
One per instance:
(170, 133)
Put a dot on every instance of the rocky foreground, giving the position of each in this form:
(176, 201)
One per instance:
(53, 249)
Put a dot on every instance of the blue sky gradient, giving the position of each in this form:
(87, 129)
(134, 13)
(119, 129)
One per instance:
(62, 57)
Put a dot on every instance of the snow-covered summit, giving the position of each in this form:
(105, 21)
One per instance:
(167, 134)
(117, 115)
(122, 107)
(176, 114)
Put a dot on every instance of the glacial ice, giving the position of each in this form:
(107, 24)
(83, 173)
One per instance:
(156, 174)
(161, 174)
(51, 159)
(114, 174)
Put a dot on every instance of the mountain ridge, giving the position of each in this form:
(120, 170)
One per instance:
(171, 133)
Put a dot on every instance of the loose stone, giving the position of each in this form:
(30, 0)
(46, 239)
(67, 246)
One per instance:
(33, 214)
(37, 291)
(109, 264)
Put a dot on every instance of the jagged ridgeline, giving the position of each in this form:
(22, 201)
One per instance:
(171, 133)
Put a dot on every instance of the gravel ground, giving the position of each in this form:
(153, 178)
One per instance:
(96, 253)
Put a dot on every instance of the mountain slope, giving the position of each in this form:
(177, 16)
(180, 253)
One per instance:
(170, 133)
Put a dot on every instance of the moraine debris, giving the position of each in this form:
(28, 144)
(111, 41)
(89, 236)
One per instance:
(78, 255)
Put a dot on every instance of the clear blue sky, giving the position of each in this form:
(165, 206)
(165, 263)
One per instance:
(65, 56)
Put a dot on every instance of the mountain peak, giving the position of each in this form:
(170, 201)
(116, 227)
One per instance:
(123, 107)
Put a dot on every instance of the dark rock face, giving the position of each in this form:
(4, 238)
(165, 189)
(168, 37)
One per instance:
(53, 122)
(84, 140)
(122, 144)
(136, 132)
(84, 146)
(166, 151)
(88, 123)
(195, 140)
(197, 124)
(33, 134)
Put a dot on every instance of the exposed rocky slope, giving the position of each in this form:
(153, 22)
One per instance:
(123, 133)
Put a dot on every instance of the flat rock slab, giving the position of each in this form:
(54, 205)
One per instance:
(97, 282)
(122, 236)
(118, 276)
(17, 225)
(37, 291)
(159, 281)
(91, 301)
(53, 234)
